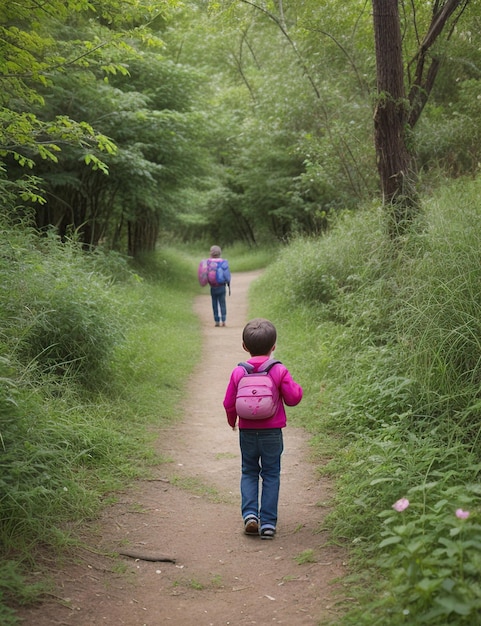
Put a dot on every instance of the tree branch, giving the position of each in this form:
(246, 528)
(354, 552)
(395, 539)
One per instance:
(279, 24)
(427, 66)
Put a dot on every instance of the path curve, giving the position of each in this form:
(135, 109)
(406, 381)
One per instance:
(190, 512)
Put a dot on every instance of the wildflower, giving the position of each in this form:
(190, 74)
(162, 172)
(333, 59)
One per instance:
(401, 505)
(460, 514)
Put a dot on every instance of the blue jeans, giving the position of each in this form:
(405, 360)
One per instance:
(261, 451)
(218, 303)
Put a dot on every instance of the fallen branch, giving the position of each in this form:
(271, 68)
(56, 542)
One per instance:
(147, 557)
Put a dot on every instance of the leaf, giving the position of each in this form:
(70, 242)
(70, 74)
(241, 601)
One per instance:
(453, 605)
(428, 585)
(389, 541)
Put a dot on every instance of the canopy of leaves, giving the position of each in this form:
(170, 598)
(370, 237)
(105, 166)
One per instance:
(228, 120)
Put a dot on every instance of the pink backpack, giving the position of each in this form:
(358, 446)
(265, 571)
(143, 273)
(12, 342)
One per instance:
(212, 272)
(257, 393)
(203, 273)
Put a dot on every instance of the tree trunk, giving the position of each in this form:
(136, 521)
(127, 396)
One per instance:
(142, 232)
(395, 164)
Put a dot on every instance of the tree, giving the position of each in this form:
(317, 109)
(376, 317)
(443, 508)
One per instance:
(396, 113)
(112, 139)
(29, 57)
(302, 145)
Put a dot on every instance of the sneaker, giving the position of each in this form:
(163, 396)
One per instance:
(251, 525)
(268, 533)
(217, 324)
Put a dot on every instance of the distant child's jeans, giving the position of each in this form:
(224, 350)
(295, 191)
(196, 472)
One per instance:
(261, 451)
(218, 303)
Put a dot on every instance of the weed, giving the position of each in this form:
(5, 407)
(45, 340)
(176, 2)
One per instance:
(192, 583)
(195, 584)
(137, 508)
(307, 556)
(289, 578)
(216, 580)
(431, 547)
(197, 487)
(225, 455)
(120, 568)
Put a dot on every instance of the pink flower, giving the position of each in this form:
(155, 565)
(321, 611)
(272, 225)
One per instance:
(401, 505)
(460, 514)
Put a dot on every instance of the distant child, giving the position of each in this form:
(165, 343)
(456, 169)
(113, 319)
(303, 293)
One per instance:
(261, 440)
(215, 272)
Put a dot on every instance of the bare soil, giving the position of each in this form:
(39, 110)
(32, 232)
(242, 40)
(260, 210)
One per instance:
(190, 513)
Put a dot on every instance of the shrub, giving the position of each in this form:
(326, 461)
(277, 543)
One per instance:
(390, 356)
(59, 316)
(431, 549)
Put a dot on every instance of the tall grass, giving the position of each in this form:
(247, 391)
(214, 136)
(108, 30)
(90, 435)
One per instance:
(93, 354)
(386, 341)
(58, 314)
(441, 315)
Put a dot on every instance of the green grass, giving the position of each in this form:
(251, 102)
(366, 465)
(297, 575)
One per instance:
(306, 556)
(68, 446)
(385, 342)
(241, 258)
(70, 442)
(197, 487)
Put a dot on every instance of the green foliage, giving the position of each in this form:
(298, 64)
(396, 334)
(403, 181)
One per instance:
(432, 552)
(323, 270)
(442, 319)
(305, 279)
(118, 88)
(59, 317)
(14, 586)
(221, 121)
(65, 446)
(389, 362)
(292, 144)
(448, 133)
(159, 137)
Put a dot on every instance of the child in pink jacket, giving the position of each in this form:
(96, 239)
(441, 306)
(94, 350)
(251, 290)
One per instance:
(261, 440)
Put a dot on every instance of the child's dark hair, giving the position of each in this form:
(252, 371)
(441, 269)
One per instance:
(259, 336)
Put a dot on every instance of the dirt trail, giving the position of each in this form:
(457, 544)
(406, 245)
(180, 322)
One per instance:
(191, 513)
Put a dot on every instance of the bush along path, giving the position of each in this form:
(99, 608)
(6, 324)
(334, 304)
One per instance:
(183, 558)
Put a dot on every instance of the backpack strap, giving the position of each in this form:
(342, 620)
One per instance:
(265, 367)
(249, 368)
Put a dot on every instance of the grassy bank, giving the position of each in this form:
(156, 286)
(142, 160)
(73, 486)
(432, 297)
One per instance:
(386, 339)
(95, 354)
(383, 337)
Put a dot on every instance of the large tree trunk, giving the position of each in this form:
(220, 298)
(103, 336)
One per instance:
(396, 113)
(395, 164)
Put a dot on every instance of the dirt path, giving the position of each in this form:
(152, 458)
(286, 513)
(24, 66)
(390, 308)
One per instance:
(191, 513)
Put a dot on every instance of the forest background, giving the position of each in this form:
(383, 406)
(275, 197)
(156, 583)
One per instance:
(132, 135)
